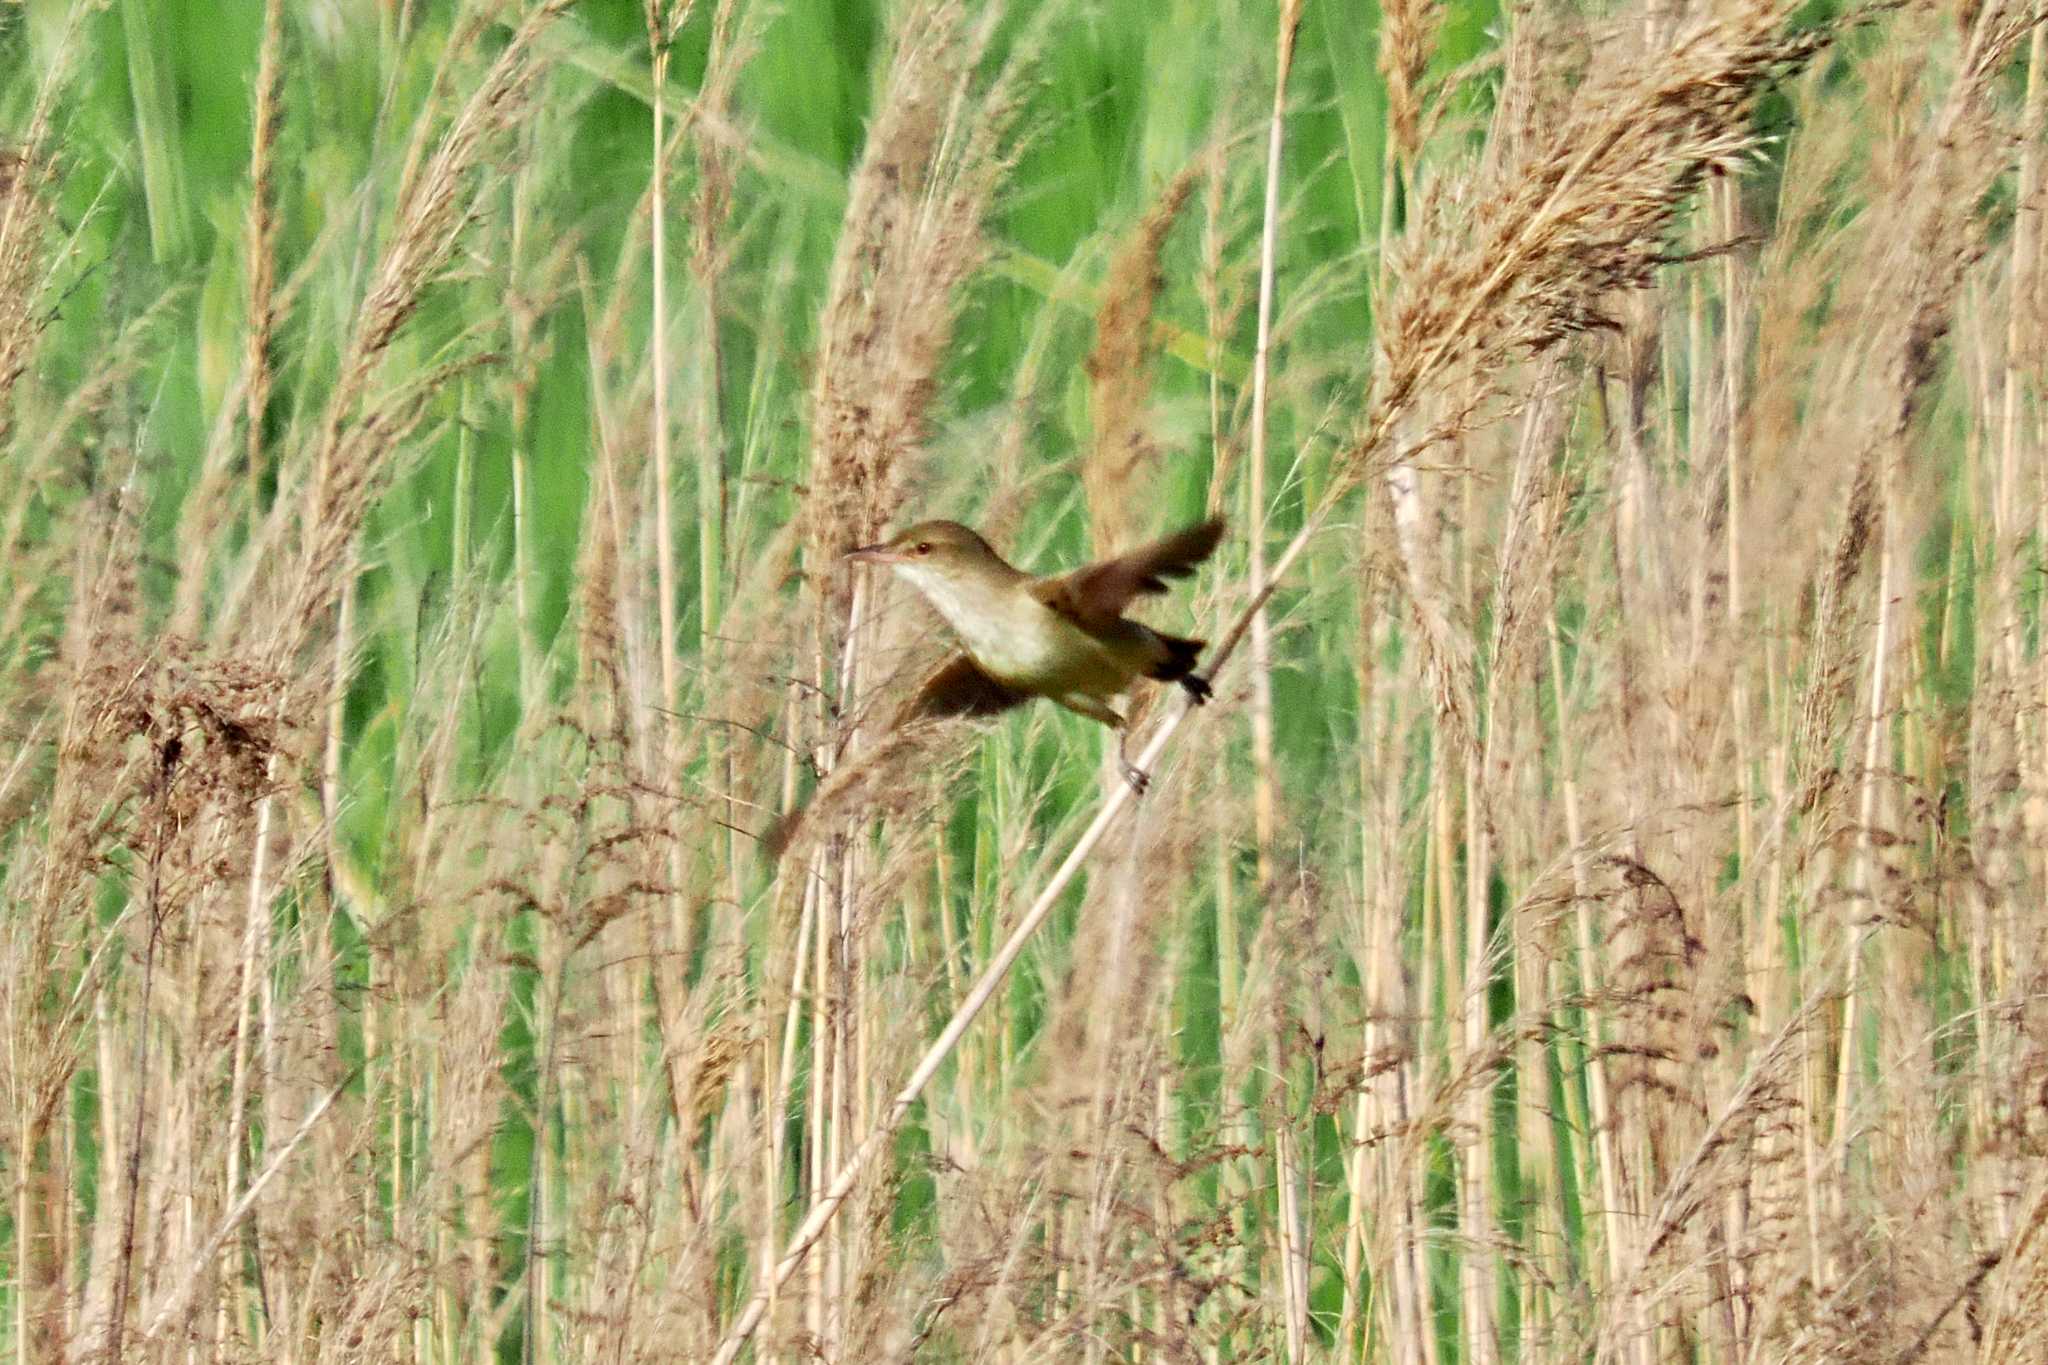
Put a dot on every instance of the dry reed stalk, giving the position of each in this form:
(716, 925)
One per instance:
(664, 22)
(1265, 802)
(180, 748)
(732, 44)
(1390, 1021)
(1549, 264)
(1929, 248)
(161, 1317)
(1117, 473)
(93, 795)
(1531, 545)
(523, 316)
(1265, 805)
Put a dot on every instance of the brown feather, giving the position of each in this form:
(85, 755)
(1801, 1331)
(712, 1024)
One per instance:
(1099, 593)
(959, 688)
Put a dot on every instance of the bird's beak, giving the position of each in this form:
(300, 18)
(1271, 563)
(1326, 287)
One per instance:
(875, 554)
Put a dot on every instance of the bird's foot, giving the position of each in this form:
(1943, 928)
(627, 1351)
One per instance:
(1198, 688)
(1134, 775)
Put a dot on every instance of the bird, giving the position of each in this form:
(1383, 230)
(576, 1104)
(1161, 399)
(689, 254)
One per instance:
(1064, 637)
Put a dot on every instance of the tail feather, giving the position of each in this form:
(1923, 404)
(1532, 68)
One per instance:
(1179, 662)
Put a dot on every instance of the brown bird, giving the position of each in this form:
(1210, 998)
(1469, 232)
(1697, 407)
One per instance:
(1065, 638)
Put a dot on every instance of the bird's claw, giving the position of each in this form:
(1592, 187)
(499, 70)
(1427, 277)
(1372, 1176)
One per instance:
(1135, 775)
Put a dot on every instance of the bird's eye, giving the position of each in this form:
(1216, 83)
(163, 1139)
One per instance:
(924, 547)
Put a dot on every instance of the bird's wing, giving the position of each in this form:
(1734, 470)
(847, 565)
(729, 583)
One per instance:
(1099, 593)
(960, 688)
(956, 688)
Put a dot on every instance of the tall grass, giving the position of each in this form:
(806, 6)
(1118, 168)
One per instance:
(1595, 920)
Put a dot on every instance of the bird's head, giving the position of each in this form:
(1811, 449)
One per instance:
(934, 549)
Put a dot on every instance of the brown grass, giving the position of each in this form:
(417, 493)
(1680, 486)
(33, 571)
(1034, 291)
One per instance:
(1616, 937)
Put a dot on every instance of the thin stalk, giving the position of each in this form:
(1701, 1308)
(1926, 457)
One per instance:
(175, 1300)
(664, 535)
(1293, 1255)
(1477, 1274)
(1263, 799)
(785, 1070)
(463, 499)
(816, 1110)
(1871, 874)
(261, 246)
(1591, 980)
(25, 1206)
(2020, 320)
(152, 908)
(1293, 1243)
(1373, 971)
(255, 956)
(1734, 336)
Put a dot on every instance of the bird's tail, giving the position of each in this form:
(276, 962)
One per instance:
(1179, 665)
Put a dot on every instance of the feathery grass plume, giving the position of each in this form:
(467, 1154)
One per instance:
(1120, 375)
(27, 173)
(1535, 247)
(1408, 30)
(937, 148)
(1680, 1236)
(326, 488)
(25, 220)
(1929, 230)
(1533, 252)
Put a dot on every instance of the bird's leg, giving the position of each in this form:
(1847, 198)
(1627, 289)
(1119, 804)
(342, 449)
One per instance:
(1198, 688)
(1095, 708)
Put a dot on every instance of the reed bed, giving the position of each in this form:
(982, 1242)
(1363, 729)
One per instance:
(468, 898)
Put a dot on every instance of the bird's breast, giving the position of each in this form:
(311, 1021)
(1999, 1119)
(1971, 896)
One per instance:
(1017, 639)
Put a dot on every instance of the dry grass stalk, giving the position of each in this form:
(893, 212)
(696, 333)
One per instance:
(1265, 806)
(664, 22)
(912, 234)
(25, 220)
(1293, 1254)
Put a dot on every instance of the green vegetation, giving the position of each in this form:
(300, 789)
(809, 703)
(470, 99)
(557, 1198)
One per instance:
(1596, 919)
